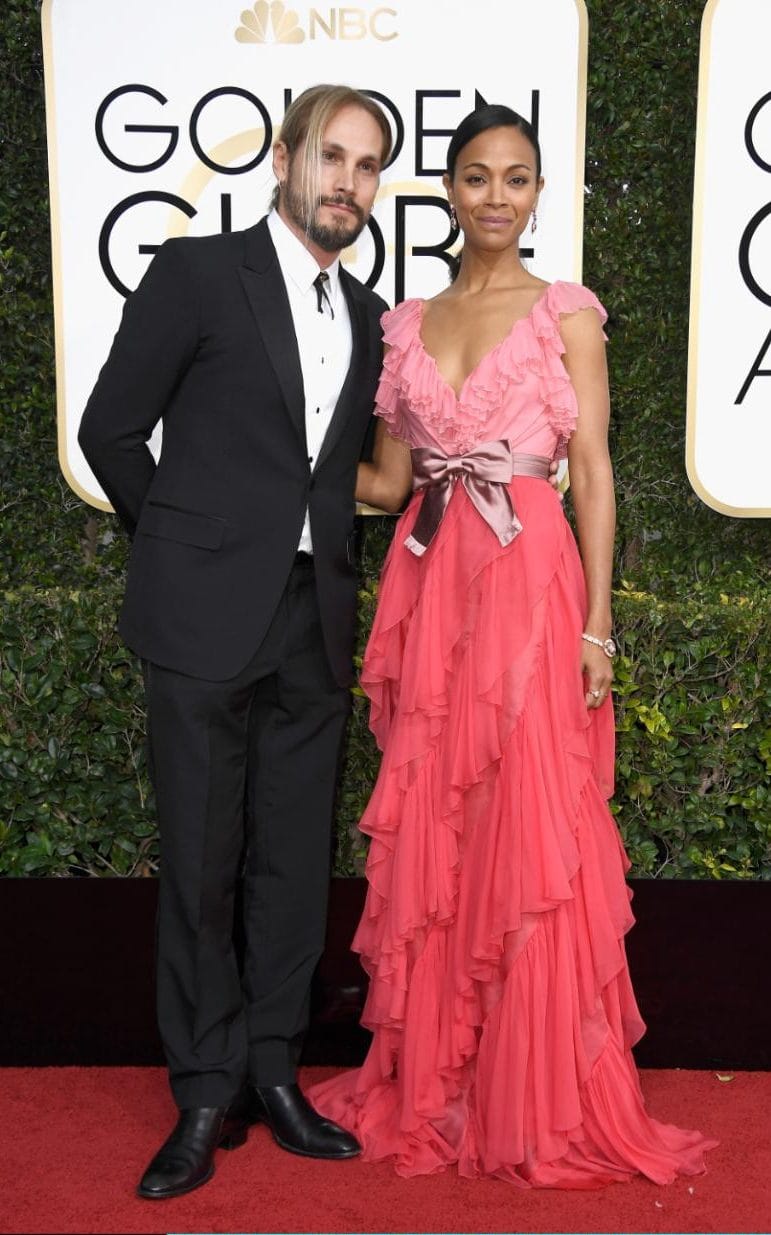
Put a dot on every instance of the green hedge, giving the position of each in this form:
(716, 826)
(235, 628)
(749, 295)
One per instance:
(692, 796)
(694, 742)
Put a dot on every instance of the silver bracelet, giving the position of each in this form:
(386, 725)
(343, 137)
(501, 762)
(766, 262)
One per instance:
(607, 645)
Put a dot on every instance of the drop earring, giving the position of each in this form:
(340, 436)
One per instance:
(453, 218)
(534, 221)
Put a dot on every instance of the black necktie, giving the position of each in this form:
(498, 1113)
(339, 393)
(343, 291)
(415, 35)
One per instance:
(320, 282)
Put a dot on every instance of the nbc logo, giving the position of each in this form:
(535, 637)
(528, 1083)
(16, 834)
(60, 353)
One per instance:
(282, 23)
(275, 23)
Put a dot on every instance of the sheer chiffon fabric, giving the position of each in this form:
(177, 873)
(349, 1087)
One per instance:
(493, 931)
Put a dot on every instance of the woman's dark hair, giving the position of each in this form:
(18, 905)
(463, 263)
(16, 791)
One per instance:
(491, 116)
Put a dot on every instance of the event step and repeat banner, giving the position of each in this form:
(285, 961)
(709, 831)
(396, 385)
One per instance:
(161, 118)
(728, 452)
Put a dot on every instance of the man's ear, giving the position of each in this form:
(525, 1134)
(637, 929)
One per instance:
(280, 161)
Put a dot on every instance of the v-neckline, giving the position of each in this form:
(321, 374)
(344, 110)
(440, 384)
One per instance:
(458, 394)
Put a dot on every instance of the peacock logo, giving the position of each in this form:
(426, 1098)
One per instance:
(270, 23)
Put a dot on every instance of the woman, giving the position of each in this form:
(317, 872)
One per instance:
(499, 999)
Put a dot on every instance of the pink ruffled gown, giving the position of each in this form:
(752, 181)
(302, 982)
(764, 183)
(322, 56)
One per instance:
(493, 932)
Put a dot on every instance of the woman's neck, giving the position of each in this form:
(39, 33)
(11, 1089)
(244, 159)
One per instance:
(481, 271)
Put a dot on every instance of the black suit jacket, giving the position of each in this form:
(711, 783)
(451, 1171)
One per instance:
(207, 344)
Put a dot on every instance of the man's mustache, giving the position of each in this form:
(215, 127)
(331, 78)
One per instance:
(342, 200)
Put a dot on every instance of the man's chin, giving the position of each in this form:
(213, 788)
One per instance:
(332, 239)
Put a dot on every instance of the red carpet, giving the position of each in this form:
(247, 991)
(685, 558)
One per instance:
(75, 1140)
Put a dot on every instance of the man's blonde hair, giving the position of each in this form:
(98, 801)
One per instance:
(306, 121)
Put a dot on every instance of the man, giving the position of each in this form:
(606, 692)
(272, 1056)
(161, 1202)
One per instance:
(261, 355)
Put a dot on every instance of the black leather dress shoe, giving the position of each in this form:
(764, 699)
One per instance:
(186, 1159)
(296, 1126)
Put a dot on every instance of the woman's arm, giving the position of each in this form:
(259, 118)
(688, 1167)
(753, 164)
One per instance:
(591, 486)
(386, 481)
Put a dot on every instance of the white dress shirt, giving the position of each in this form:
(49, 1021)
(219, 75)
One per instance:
(324, 339)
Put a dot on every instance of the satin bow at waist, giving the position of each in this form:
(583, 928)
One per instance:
(484, 473)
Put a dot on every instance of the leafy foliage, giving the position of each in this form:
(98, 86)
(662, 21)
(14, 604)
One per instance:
(694, 738)
(72, 768)
(641, 120)
(694, 680)
(693, 693)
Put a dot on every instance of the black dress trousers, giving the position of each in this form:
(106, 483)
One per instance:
(244, 768)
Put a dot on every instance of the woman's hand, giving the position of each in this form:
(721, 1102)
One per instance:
(554, 479)
(597, 673)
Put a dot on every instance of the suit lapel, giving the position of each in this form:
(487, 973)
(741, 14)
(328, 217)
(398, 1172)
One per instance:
(359, 354)
(266, 292)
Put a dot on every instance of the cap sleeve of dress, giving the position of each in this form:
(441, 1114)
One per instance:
(557, 393)
(400, 327)
(567, 298)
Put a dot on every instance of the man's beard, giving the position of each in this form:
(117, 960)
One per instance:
(331, 238)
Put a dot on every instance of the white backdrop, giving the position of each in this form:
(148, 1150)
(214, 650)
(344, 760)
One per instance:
(160, 117)
(729, 371)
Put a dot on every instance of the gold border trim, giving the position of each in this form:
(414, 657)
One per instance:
(581, 104)
(701, 490)
(52, 146)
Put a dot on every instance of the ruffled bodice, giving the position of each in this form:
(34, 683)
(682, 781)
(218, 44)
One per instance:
(519, 392)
